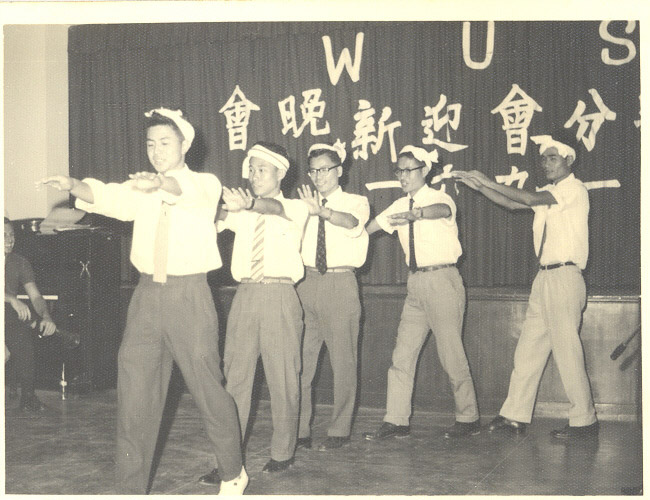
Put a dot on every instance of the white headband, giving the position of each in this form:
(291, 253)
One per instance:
(259, 151)
(421, 154)
(177, 117)
(338, 148)
(546, 141)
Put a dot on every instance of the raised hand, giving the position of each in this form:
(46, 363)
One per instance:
(310, 198)
(236, 199)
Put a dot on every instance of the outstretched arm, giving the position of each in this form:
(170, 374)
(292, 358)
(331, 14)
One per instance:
(77, 188)
(237, 199)
(434, 211)
(506, 196)
(373, 226)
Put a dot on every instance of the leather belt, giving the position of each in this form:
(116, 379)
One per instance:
(433, 268)
(555, 266)
(341, 269)
(268, 281)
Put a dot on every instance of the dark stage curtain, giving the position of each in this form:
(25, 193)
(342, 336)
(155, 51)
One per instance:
(119, 71)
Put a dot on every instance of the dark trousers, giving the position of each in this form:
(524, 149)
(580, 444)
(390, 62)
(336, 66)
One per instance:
(19, 338)
(175, 321)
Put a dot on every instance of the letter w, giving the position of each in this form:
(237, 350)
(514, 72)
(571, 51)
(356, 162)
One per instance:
(344, 60)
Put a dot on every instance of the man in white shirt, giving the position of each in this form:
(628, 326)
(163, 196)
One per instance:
(334, 245)
(425, 221)
(171, 316)
(558, 295)
(265, 316)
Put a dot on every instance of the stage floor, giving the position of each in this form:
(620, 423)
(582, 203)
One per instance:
(69, 450)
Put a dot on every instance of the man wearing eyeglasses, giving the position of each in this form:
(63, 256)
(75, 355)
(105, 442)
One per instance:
(334, 245)
(425, 220)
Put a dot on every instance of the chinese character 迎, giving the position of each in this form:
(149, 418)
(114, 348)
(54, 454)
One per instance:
(435, 121)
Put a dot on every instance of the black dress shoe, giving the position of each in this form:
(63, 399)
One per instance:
(277, 466)
(30, 403)
(212, 478)
(580, 432)
(303, 443)
(463, 429)
(503, 423)
(334, 442)
(388, 430)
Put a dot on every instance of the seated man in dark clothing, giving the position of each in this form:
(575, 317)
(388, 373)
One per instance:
(19, 340)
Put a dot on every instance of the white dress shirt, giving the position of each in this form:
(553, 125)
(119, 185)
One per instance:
(282, 238)
(567, 232)
(344, 247)
(192, 235)
(436, 240)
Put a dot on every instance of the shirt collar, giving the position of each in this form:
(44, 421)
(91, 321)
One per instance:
(177, 171)
(334, 195)
(419, 194)
(569, 177)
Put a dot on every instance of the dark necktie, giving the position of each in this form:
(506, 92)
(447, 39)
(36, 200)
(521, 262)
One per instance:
(321, 250)
(413, 265)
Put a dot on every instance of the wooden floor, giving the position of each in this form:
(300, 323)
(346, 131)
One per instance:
(69, 450)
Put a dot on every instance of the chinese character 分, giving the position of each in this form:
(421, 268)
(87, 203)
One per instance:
(237, 112)
(364, 131)
(435, 120)
(517, 112)
(595, 119)
(312, 110)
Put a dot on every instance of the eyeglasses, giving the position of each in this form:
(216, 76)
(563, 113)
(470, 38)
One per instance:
(325, 170)
(399, 171)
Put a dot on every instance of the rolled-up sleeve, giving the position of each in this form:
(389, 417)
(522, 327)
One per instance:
(383, 220)
(360, 210)
(297, 212)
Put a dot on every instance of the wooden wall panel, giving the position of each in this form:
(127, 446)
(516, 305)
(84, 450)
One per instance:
(492, 323)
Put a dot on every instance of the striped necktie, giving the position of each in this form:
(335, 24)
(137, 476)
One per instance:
(257, 254)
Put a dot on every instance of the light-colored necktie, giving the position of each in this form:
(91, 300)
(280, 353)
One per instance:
(161, 245)
(257, 254)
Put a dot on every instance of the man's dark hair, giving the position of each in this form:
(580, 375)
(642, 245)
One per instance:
(566, 136)
(273, 147)
(158, 119)
(7, 220)
(408, 154)
(332, 155)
